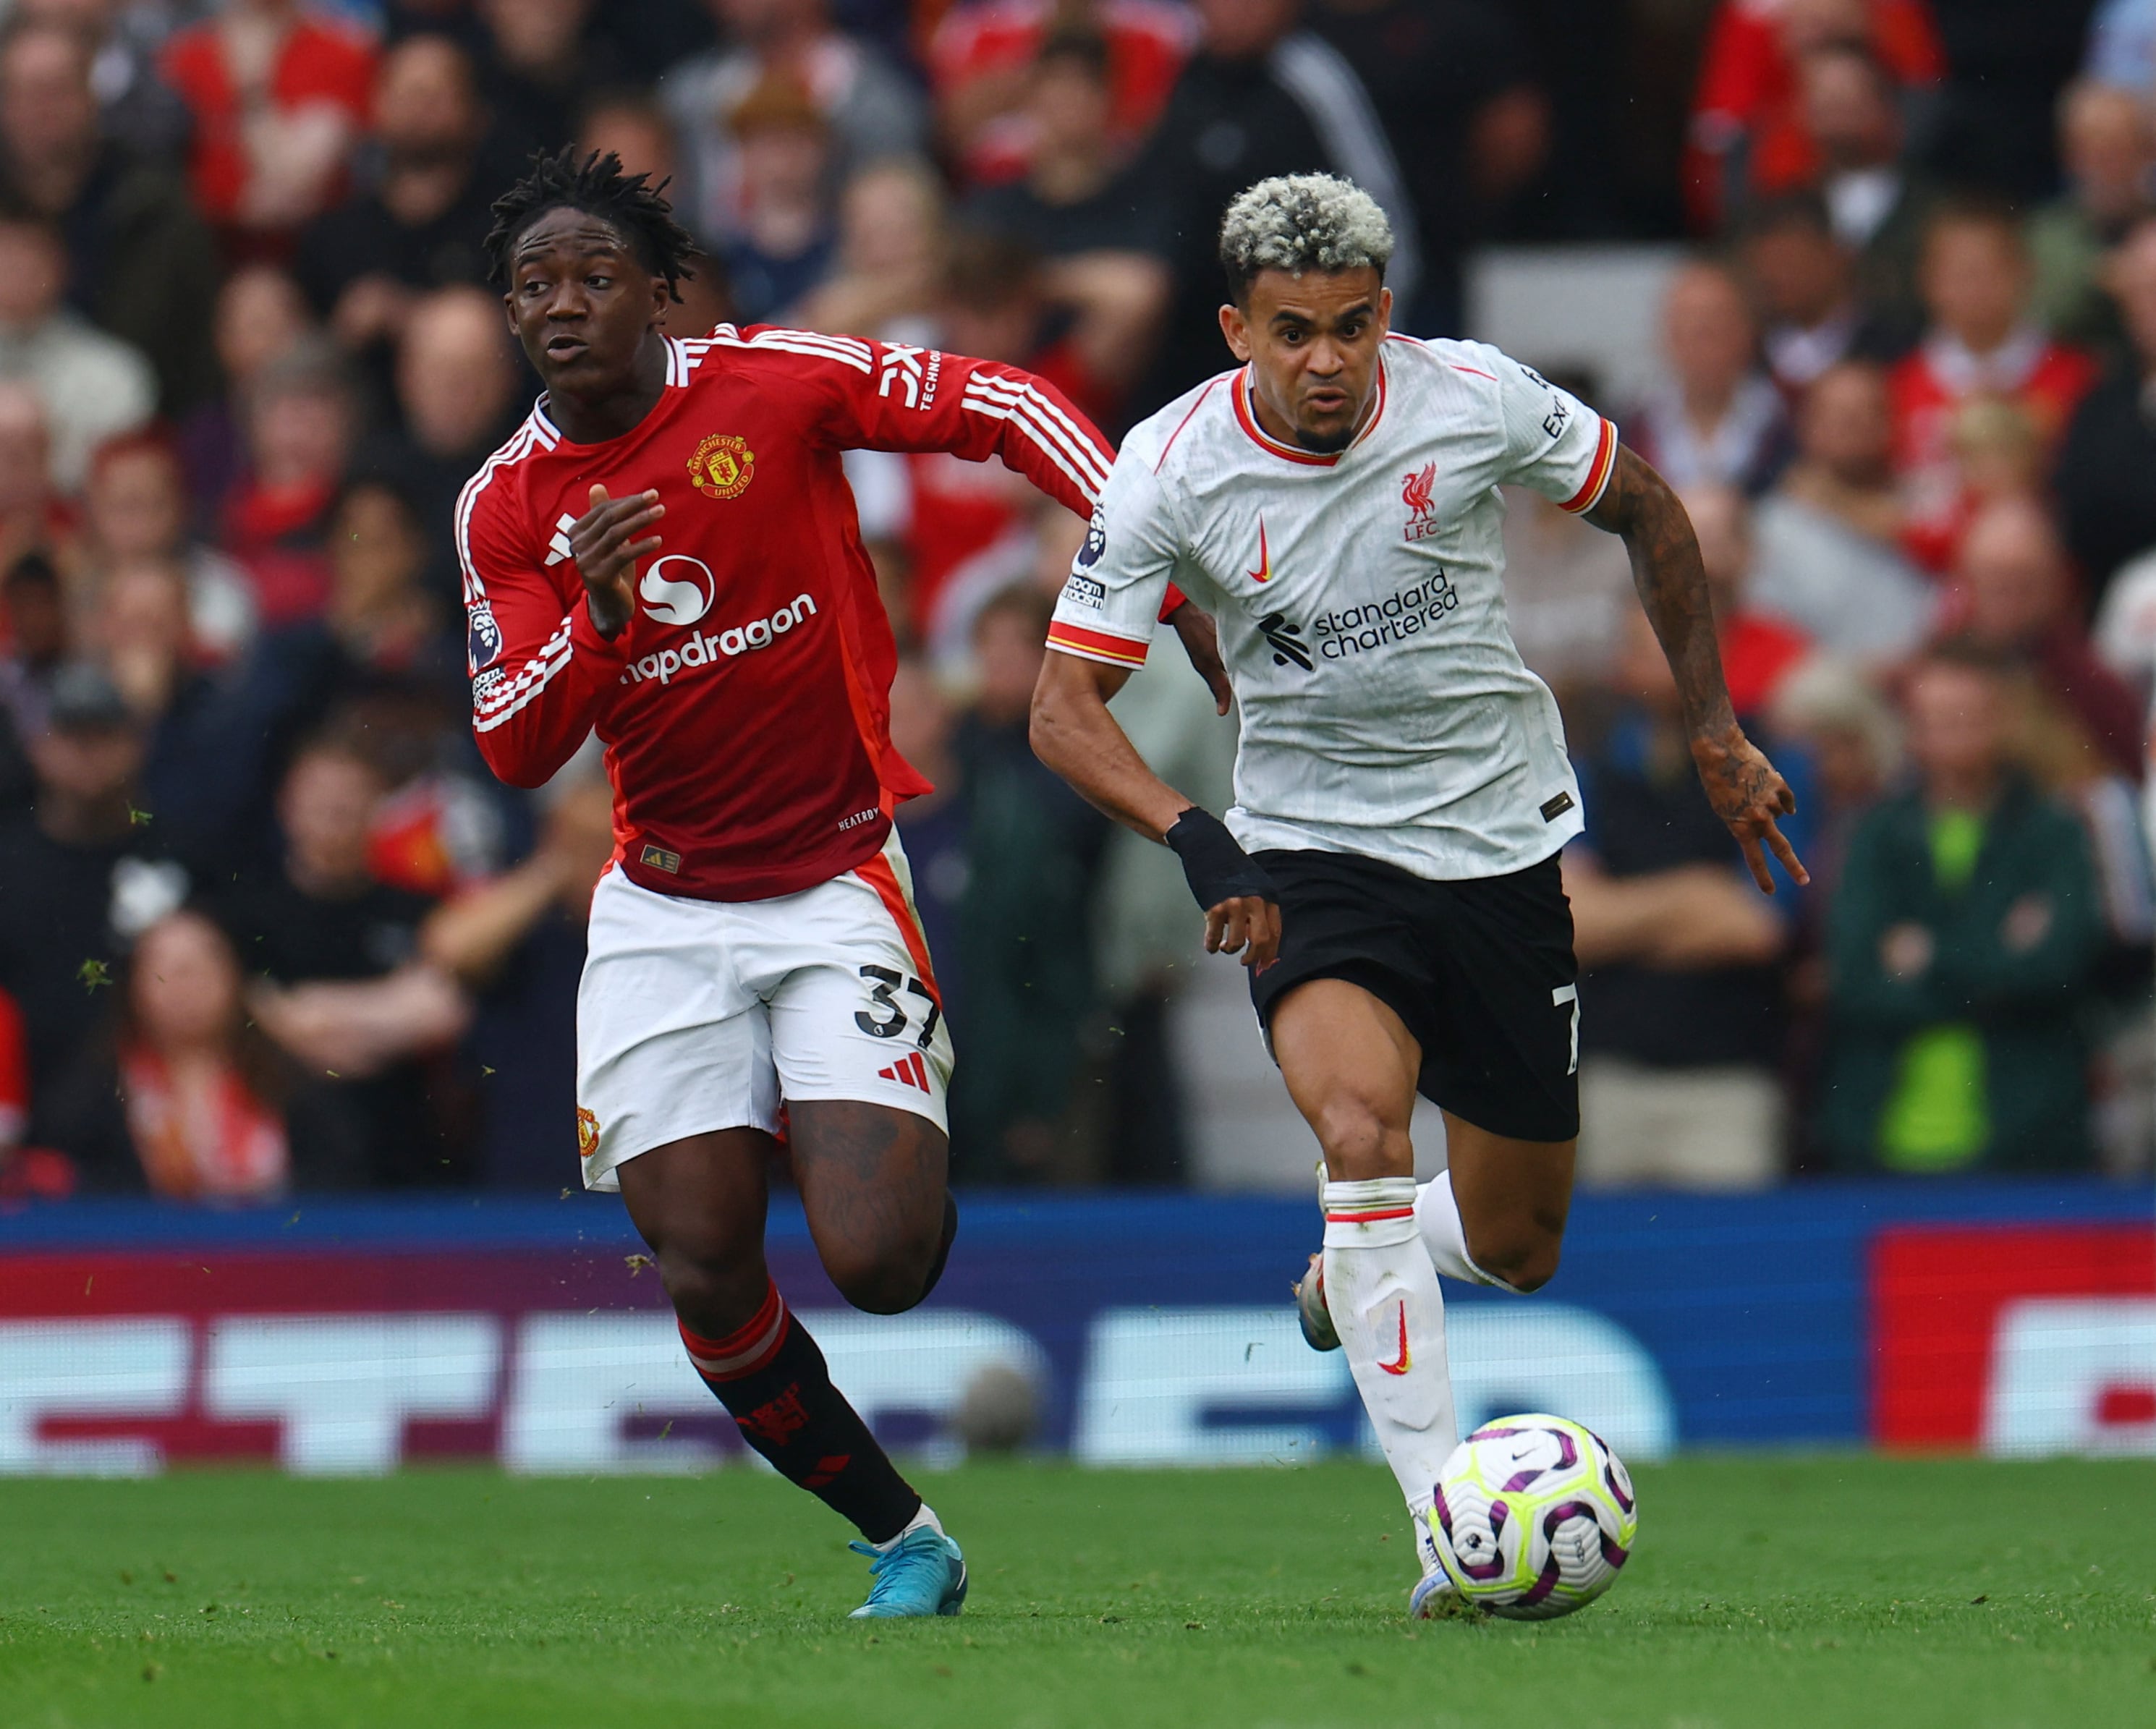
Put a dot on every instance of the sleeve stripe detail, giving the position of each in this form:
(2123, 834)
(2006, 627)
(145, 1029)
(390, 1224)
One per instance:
(1085, 487)
(1097, 645)
(816, 347)
(1102, 455)
(1597, 474)
(1051, 430)
(851, 347)
(546, 669)
(1050, 418)
(518, 447)
(552, 654)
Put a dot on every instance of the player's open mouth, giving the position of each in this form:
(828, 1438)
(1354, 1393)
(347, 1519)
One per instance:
(565, 348)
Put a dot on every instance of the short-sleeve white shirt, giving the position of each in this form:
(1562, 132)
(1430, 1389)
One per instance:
(1360, 599)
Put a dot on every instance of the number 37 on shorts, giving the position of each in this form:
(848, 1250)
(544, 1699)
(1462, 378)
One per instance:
(697, 1015)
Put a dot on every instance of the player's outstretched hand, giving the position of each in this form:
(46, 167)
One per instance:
(1201, 642)
(1249, 926)
(603, 541)
(1749, 795)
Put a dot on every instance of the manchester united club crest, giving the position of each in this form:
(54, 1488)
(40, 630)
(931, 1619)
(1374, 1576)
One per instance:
(587, 1133)
(722, 466)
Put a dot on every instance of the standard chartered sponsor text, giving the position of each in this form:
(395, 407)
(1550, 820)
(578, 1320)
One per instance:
(1350, 630)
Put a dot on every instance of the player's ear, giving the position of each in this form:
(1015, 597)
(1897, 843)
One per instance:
(1236, 329)
(1385, 313)
(661, 297)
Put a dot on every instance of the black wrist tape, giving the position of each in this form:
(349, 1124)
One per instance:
(1216, 868)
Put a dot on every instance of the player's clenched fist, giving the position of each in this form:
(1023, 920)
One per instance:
(604, 544)
(1242, 907)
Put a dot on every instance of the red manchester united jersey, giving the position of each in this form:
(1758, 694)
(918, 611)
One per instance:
(745, 706)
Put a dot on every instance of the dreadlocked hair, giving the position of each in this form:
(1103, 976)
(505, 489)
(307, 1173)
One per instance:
(598, 187)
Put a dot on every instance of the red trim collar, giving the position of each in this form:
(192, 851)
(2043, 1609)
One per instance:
(1247, 416)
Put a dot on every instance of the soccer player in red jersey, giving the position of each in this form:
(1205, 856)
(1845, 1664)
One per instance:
(666, 552)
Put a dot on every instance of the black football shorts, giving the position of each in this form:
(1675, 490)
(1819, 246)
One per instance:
(1480, 970)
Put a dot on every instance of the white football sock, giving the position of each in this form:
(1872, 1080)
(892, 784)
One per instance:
(1437, 1215)
(1382, 1294)
(925, 1518)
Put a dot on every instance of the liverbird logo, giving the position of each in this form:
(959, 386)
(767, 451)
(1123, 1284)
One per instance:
(1422, 514)
(1415, 492)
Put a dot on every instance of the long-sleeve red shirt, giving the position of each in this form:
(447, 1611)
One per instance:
(745, 707)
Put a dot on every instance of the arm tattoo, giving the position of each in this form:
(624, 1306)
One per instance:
(1639, 507)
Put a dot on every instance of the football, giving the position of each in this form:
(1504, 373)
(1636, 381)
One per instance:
(1533, 1516)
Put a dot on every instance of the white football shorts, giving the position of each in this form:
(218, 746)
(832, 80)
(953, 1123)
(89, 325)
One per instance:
(695, 1015)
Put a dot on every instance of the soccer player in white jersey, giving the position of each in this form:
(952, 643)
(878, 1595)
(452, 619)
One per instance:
(1389, 871)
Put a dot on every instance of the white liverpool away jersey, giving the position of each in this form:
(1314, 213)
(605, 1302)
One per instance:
(1360, 599)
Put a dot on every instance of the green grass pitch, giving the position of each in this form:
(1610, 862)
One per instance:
(1819, 1591)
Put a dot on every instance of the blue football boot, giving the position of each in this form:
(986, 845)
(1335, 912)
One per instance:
(922, 1573)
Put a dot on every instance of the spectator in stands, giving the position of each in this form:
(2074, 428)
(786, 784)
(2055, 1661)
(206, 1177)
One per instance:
(516, 944)
(1262, 97)
(1831, 709)
(1679, 955)
(635, 126)
(261, 316)
(1099, 227)
(93, 385)
(207, 734)
(458, 397)
(422, 221)
(33, 518)
(135, 509)
(2019, 601)
(1879, 202)
(1717, 420)
(1750, 135)
(299, 424)
(121, 42)
(1803, 278)
(783, 242)
(2108, 142)
(1828, 557)
(1759, 652)
(1976, 284)
(542, 58)
(1032, 849)
(892, 249)
(982, 61)
(923, 727)
(339, 985)
(141, 263)
(84, 877)
(184, 1095)
(14, 1102)
(1964, 937)
(33, 646)
(1455, 89)
(279, 95)
(1568, 585)
(872, 111)
(2106, 473)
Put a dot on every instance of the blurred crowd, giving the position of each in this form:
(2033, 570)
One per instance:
(267, 925)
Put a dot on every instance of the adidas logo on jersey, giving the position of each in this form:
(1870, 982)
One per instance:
(908, 1071)
(558, 548)
(712, 646)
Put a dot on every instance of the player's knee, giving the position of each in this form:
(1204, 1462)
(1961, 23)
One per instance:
(887, 1278)
(1359, 1143)
(1524, 1257)
(712, 1293)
